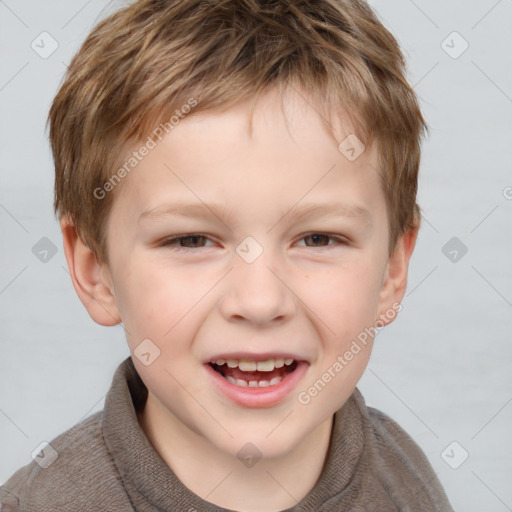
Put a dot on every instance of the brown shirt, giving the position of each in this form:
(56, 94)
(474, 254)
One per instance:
(106, 463)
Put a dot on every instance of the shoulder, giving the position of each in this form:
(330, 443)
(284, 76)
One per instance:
(74, 471)
(391, 437)
(399, 463)
(393, 443)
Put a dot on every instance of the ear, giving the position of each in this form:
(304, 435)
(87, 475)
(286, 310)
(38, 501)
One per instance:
(395, 276)
(91, 280)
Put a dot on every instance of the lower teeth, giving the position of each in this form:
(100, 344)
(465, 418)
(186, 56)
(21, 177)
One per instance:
(254, 383)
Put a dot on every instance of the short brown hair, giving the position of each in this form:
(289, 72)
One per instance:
(149, 58)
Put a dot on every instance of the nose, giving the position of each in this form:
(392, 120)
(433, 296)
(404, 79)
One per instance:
(256, 293)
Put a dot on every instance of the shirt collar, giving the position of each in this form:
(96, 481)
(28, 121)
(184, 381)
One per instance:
(148, 480)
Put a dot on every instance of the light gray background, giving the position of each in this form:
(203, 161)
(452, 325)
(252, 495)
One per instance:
(442, 370)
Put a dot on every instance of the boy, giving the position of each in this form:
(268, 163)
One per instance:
(236, 183)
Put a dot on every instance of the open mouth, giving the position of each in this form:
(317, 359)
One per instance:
(254, 374)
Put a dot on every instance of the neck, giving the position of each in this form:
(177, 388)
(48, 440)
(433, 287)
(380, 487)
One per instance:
(219, 478)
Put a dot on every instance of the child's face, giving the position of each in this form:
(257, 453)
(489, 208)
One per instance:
(304, 297)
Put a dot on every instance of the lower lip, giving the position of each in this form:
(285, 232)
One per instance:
(258, 397)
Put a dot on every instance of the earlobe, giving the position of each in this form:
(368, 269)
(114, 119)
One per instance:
(395, 278)
(92, 287)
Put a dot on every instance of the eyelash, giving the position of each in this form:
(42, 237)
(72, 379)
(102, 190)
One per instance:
(175, 241)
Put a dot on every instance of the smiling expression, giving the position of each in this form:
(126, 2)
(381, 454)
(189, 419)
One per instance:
(227, 248)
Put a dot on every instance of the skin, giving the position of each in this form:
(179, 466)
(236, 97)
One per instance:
(309, 296)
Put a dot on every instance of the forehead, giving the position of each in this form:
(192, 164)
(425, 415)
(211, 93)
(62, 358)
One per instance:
(283, 155)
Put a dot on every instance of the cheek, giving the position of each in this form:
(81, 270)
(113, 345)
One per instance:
(154, 298)
(344, 297)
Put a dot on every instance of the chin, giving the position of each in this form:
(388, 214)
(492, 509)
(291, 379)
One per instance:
(257, 442)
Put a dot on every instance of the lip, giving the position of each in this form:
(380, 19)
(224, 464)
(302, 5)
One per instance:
(247, 356)
(257, 397)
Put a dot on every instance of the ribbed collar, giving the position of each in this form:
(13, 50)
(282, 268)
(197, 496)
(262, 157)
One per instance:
(151, 484)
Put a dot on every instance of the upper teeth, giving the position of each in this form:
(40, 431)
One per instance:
(251, 366)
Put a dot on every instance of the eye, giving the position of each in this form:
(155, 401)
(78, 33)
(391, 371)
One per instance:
(318, 238)
(186, 242)
(198, 241)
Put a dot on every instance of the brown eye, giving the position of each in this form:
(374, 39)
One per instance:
(322, 240)
(317, 239)
(186, 242)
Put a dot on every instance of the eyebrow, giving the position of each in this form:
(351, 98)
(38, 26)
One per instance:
(224, 213)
